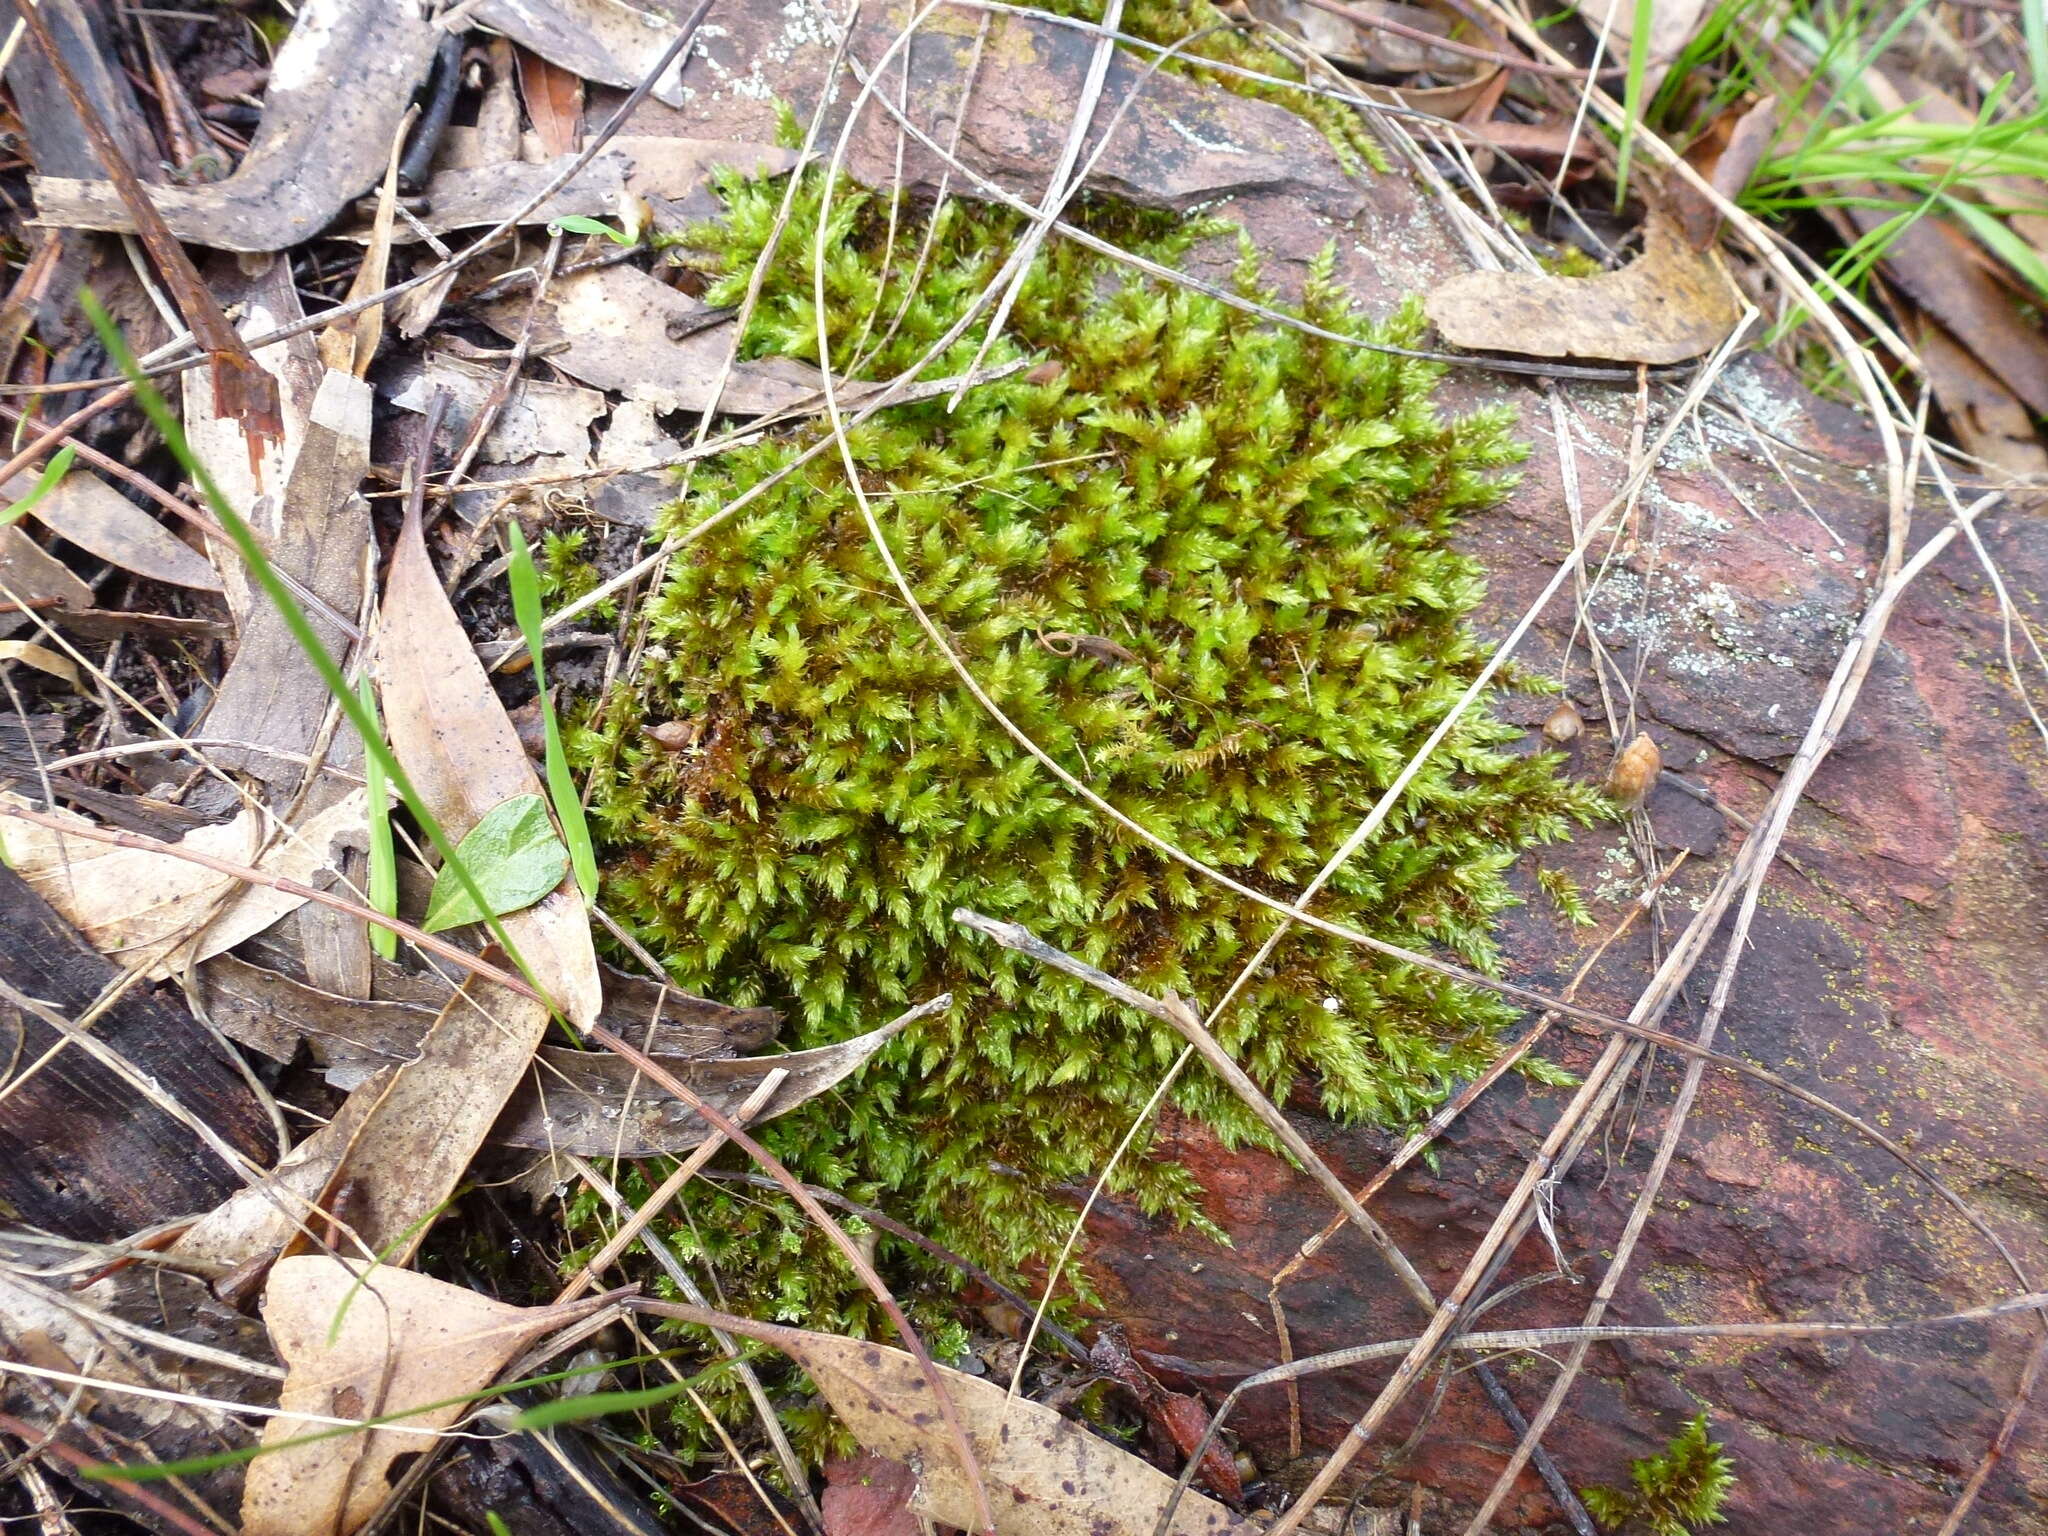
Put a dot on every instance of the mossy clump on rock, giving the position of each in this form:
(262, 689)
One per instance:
(1677, 1493)
(1205, 562)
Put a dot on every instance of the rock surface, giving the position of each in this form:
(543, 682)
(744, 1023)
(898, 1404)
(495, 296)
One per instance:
(1897, 967)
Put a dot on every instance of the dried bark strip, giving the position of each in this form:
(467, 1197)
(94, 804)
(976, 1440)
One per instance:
(78, 1153)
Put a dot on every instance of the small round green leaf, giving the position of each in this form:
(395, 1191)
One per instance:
(514, 857)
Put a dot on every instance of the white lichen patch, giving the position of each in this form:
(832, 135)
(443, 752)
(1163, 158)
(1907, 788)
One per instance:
(1687, 515)
(1620, 876)
(1213, 146)
(1701, 628)
(802, 27)
(1773, 412)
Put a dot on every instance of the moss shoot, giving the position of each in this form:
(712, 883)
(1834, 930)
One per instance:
(1205, 562)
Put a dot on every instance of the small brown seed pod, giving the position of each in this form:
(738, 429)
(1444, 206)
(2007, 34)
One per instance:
(1564, 725)
(1635, 770)
(676, 735)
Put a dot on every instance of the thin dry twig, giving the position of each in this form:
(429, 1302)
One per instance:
(757, 1394)
(1534, 1340)
(1060, 186)
(241, 387)
(1373, 22)
(1182, 1018)
(77, 1461)
(158, 367)
(670, 1187)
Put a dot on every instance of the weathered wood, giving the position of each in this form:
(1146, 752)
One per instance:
(82, 1153)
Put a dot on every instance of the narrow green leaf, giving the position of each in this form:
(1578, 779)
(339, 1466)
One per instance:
(46, 482)
(596, 1405)
(513, 858)
(583, 224)
(2007, 246)
(194, 1466)
(383, 1256)
(383, 852)
(1632, 95)
(525, 581)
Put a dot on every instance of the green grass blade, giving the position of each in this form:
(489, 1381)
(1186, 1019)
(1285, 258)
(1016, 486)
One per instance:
(383, 851)
(1851, 90)
(46, 482)
(597, 1405)
(2003, 243)
(1632, 94)
(194, 1466)
(383, 1257)
(525, 582)
(2034, 26)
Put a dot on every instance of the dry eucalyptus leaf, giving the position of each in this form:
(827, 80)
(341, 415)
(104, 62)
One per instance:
(101, 521)
(587, 1102)
(1935, 264)
(32, 577)
(266, 302)
(431, 1114)
(631, 166)
(273, 705)
(255, 1222)
(554, 101)
(1669, 304)
(1728, 154)
(339, 88)
(1367, 49)
(153, 910)
(399, 1144)
(43, 659)
(621, 329)
(1986, 417)
(1381, 56)
(352, 1037)
(604, 40)
(360, 1348)
(537, 417)
(1045, 1476)
(626, 331)
(425, 1120)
